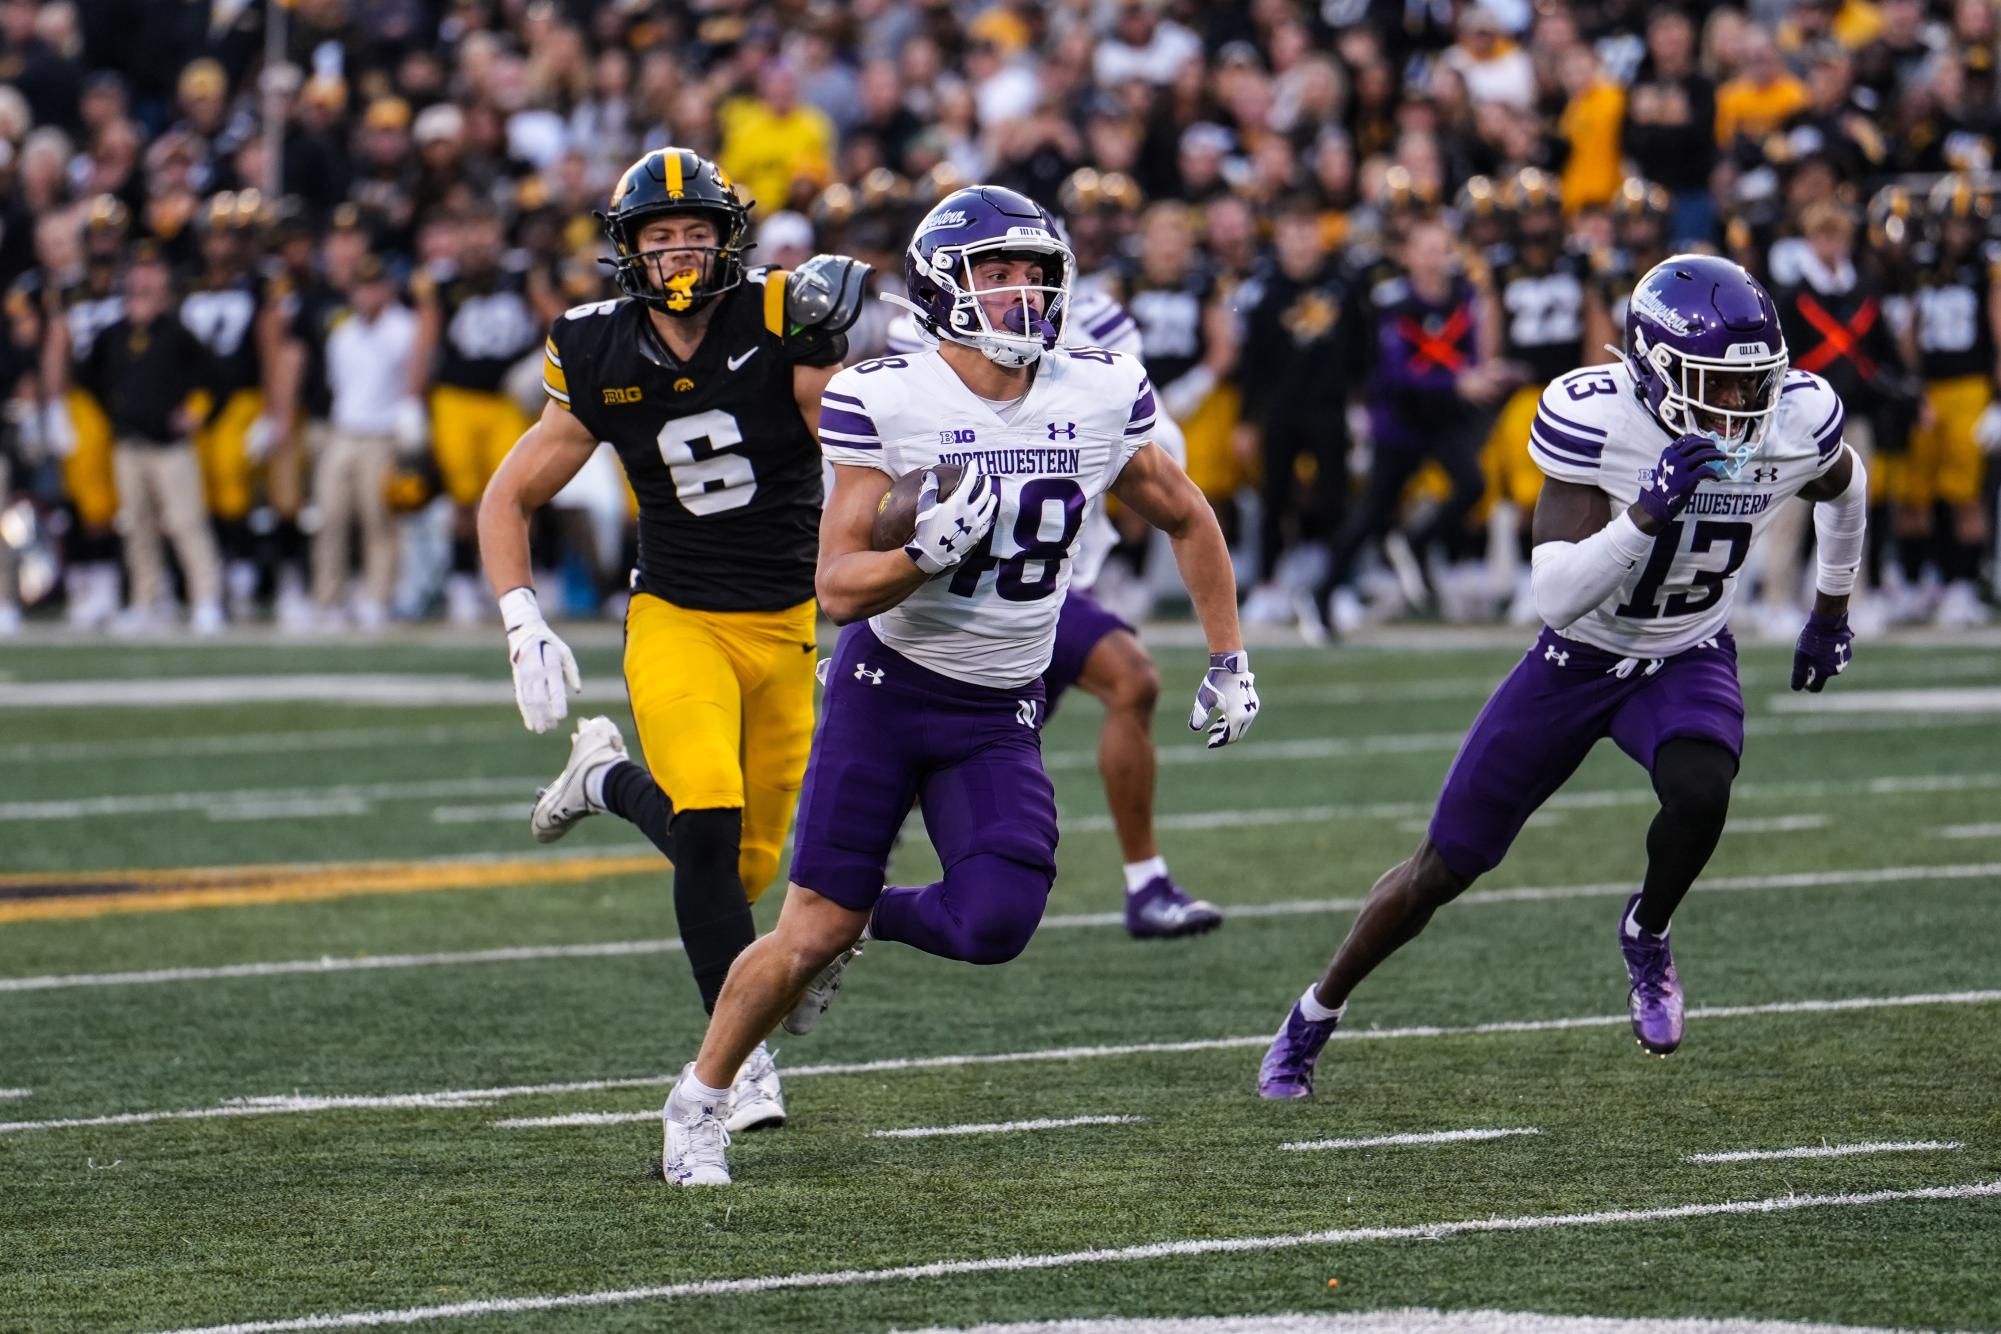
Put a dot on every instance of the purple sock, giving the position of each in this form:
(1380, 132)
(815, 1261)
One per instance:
(983, 911)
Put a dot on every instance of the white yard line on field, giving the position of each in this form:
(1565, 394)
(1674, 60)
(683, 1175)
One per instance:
(15, 1095)
(382, 689)
(1407, 1320)
(1742, 884)
(1419, 1137)
(1950, 699)
(1778, 824)
(1992, 830)
(1825, 1151)
(1003, 1127)
(301, 1102)
(1157, 1250)
(255, 743)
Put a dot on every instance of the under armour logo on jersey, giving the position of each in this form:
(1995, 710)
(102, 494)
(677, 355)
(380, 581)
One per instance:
(863, 672)
(1560, 657)
(1025, 715)
(1062, 430)
(1764, 476)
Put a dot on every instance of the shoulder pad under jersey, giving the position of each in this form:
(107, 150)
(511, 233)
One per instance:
(824, 295)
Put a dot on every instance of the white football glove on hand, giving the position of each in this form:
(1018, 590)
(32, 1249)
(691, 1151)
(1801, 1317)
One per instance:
(544, 668)
(1987, 429)
(947, 529)
(413, 425)
(1230, 692)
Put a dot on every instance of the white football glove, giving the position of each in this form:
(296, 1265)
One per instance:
(413, 425)
(1230, 692)
(947, 529)
(260, 439)
(545, 670)
(1987, 429)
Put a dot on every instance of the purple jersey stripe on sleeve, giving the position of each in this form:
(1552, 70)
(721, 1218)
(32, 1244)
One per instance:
(839, 419)
(1563, 441)
(849, 399)
(835, 440)
(1540, 449)
(1115, 321)
(1575, 428)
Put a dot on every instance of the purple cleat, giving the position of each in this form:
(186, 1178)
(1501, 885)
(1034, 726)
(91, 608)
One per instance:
(1160, 911)
(1287, 1072)
(1655, 1000)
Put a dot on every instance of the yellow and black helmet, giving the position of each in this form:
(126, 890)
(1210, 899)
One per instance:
(668, 181)
(1891, 211)
(1639, 197)
(936, 183)
(1404, 194)
(1088, 190)
(1531, 190)
(106, 215)
(1478, 198)
(1955, 199)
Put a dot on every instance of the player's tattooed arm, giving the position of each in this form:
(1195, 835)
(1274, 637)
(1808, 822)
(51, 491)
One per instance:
(854, 581)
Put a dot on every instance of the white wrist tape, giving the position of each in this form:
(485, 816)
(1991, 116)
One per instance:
(518, 607)
(1568, 579)
(1839, 528)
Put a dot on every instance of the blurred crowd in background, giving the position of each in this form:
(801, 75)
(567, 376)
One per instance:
(277, 278)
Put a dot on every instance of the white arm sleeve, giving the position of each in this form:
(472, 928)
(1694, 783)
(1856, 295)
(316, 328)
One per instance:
(1185, 395)
(1838, 528)
(1569, 579)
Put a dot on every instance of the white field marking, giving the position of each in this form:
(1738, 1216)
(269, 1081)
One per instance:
(15, 1095)
(1947, 699)
(292, 808)
(1777, 824)
(1421, 1137)
(901, 1063)
(1004, 1127)
(284, 1103)
(1826, 1151)
(1969, 830)
(332, 964)
(390, 690)
(1406, 1320)
(160, 803)
(1056, 922)
(254, 743)
(1158, 1250)
(493, 813)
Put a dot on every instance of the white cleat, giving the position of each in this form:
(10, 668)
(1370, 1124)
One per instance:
(692, 1140)
(756, 1100)
(819, 994)
(566, 801)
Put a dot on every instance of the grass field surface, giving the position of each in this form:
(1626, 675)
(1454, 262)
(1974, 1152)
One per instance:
(298, 1029)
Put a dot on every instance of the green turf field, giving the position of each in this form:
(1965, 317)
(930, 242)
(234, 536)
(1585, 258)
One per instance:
(262, 1144)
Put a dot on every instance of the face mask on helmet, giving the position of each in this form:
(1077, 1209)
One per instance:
(1732, 401)
(1011, 313)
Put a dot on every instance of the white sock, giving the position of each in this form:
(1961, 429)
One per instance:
(1310, 1006)
(1634, 930)
(691, 1089)
(594, 786)
(1141, 874)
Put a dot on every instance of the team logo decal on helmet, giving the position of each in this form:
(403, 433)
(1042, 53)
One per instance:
(989, 222)
(676, 181)
(1706, 352)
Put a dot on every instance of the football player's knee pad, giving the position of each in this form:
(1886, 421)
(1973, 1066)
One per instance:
(1692, 777)
(998, 902)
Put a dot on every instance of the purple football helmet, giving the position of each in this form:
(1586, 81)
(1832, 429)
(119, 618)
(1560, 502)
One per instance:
(987, 221)
(1705, 348)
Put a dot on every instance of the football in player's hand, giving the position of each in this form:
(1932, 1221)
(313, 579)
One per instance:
(896, 513)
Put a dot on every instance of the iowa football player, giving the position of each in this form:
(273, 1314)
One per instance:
(706, 377)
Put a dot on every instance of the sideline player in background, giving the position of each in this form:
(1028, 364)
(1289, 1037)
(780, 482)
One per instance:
(1100, 653)
(1662, 470)
(706, 377)
(935, 690)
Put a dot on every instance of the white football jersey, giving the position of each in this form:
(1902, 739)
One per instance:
(991, 619)
(1591, 427)
(1096, 319)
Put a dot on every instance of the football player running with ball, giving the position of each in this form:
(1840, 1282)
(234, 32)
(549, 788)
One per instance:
(706, 378)
(935, 689)
(1660, 471)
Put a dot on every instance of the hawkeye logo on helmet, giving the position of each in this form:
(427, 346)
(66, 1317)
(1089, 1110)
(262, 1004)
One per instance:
(938, 222)
(1648, 303)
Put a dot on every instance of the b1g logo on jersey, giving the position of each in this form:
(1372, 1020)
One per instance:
(629, 394)
(962, 435)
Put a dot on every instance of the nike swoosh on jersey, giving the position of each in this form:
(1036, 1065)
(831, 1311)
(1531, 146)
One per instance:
(734, 362)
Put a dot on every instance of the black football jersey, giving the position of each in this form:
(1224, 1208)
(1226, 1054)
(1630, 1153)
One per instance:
(1170, 321)
(486, 323)
(311, 310)
(225, 319)
(1949, 305)
(1542, 311)
(726, 470)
